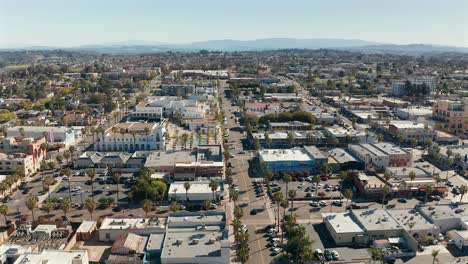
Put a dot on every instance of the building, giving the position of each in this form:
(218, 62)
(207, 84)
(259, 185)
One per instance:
(458, 156)
(348, 135)
(296, 159)
(287, 139)
(121, 162)
(460, 238)
(86, 230)
(113, 228)
(414, 113)
(414, 223)
(199, 191)
(207, 161)
(132, 137)
(445, 216)
(196, 238)
(292, 125)
(398, 86)
(9, 163)
(381, 155)
(451, 116)
(177, 89)
(345, 160)
(409, 131)
(343, 228)
(28, 146)
(156, 107)
(55, 135)
(54, 257)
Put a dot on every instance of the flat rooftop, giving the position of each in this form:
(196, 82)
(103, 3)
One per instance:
(195, 187)
(405, 216)
(52, 257)
(133, 223)
(295, 154)
(342, 222)
(155, 241)
(375, 219)
(341, 155)
(443, 212)
(193, 244)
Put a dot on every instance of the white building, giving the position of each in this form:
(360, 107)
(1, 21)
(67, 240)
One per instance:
(409, 130)
(132, 137)
(199, 191)
(54, 257)
(54, 135)
(363, 136)
(154, 107)
(113, 228)
(414, 113)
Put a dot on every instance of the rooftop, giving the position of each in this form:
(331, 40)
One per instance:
(52, 257)
(405, 216)
(133, 223)
(341, 155)
(375, 219)
(342, 222)
(295, 154)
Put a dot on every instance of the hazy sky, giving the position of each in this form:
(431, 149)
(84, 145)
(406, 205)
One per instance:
(78, 22)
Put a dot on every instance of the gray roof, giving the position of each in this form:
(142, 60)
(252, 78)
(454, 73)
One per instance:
(341, 155)
(375, 219)
(314, 152)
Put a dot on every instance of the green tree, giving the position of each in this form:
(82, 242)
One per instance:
(48, 207)
(65, 205)
(187, 186)
(174, 207)
(91, 174)
(412, 176)
(385, 192)
(292, 195)
(234, 196)
(207, 205)
(4, 212)
(348, 194)
(214, 185)
(429, 190)
(434, 255)
(463, 191)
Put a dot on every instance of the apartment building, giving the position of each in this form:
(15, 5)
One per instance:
(451, 116)
(132, 137)
(54, 135)
(177, 89)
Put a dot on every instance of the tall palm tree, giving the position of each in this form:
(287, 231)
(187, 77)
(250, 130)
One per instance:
(234, 196)
(463, 191)
(348, 194)
(31, 204)
(191, 138)
(116, 176)
(278, 197)
(184, 138)
(91, 174)
(286, 178)
(67, 173)
(4, 212)
(214, 184)
(67, 156)
(292, 195)
(65, 205)
(385, 192)
(49, 181)
(147, 204)
(47, 207)
(90, 205)
(187, 186)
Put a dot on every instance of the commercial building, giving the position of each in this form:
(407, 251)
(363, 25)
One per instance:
(23, 148)
(460, 238)
(156, 107)
(54, 135)
(348, 135)
(451, 116)
(345, 160)
(113, 228)
(446, 216)
(414, 113)
(118, 161)
(9, 163)
(196, 238)
(53, 257)
(398, 86)
(199, 191)
(206, 161)
(459, 156)
(296, 159)
(381, 155)
(409, 131)
(343, 228)
(132, 137)
(286, 139)
(176, 89)
(292, 125)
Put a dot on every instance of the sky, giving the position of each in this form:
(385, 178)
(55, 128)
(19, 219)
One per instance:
(66, 23)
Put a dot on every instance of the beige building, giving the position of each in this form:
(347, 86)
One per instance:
(451, 116)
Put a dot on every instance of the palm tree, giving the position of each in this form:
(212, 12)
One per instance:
(65, 205)
(286, 179)
(214, 184)
(47, 207)
(49, 182)
(238, 212)
(91, 174)
(31, 204)
(187, 186)
(278, 197)
(90, 205)
(463, 191)
(191, 139)
(243, 254)
(234, 196)
(67, 173)
(412, 176)
(348, 194)
(292, 195)
(236, 224)
(434, 254)
(116, 176)
(184, 138)
(4, 212)
(147, 205)
(385, 192)
(67, 156)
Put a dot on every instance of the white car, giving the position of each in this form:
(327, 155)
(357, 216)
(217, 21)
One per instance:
(277, 250)
(323, 203)
(314, 204)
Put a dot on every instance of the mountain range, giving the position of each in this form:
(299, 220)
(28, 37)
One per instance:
(140, 47)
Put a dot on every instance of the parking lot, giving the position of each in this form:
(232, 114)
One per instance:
(307, 190)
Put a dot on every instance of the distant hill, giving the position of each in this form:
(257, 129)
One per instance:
(141, 47)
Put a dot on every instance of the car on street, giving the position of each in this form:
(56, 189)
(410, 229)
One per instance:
(253, 212)
(322, 203)
(314, 204)
(319, 254)
(277, 250)
(337, 203)
(328, 254)
(402, 200)
(213, 206)
(335, 255)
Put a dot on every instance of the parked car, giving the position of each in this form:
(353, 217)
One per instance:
(401, 200)
(322, 203)
(319, 254)
(328, 254)
(277, 250)
(337, 203)
(314, 204)
(253, 212)
(335, 255)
